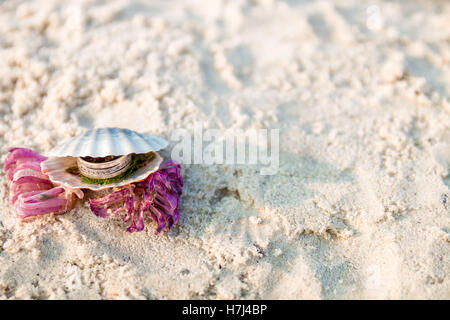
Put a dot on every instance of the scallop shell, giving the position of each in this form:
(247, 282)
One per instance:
(102, 142)
(56, 168)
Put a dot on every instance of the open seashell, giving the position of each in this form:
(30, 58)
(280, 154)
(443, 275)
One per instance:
(76, 156)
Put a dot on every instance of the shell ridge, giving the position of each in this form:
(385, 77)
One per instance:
(111, 141)
(94, 139)
(124, 138)
(140, 144)
(156, 140)
(101, 142)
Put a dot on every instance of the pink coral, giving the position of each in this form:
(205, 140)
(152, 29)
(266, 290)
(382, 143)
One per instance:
(31, 191)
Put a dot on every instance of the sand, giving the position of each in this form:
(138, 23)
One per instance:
(360, 206)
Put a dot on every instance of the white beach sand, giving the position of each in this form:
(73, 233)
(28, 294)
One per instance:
(360, 206)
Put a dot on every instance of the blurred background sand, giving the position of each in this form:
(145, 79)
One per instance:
(360, 206)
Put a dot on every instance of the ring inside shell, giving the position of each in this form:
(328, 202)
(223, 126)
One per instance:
(65, 171)
(104, 167)
(103, 158)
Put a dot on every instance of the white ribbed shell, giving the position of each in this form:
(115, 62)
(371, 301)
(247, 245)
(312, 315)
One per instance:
(102, 142)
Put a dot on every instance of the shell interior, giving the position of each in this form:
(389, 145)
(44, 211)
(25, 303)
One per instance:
(102, 142)
(56, 169)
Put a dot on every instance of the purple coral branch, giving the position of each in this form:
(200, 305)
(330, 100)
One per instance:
(156, 197)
